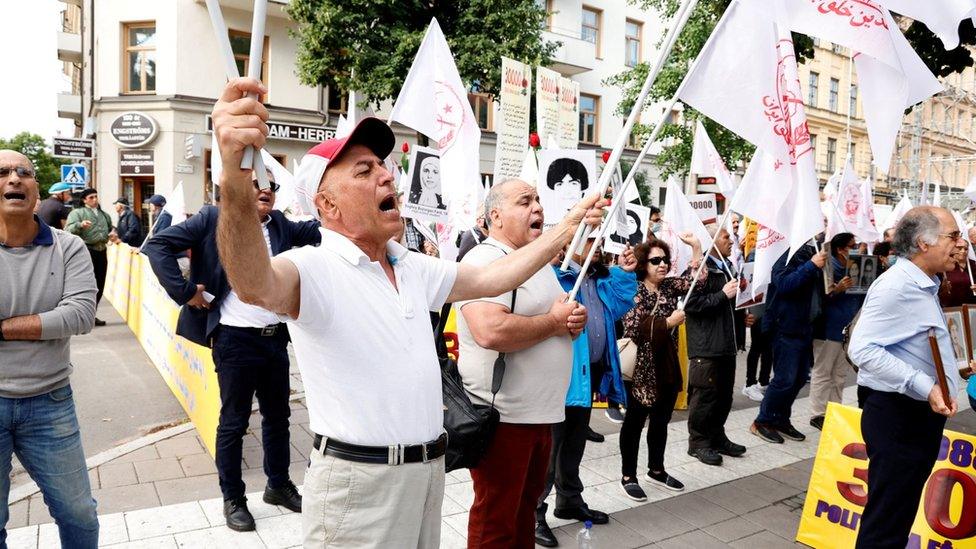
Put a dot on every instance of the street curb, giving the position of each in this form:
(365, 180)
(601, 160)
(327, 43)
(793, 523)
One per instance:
(27, 490)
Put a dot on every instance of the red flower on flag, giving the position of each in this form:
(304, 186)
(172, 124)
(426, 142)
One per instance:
(606, 156)
(534, 140)
(406, 147)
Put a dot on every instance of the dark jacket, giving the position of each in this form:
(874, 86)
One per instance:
(199, 234)
(129, 229)
(162, 222)
(793, 299)
(714, 327)
(839, 309)
(53, 212)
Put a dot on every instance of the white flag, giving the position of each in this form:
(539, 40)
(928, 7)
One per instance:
(866, 227)
(677, 217)
(343, 127)
(942, 17)
(434, 101)
(747, 48)
(530, 168)
(937, 196)
(896, 214)
(287, 197)
(970, 191)
(770, 246)
(706, 162)
(891, 76)
(847, 203)
(176, 204)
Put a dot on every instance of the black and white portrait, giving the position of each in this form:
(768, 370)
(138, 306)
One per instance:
(564, 177)
(630, 228)
(424, 196)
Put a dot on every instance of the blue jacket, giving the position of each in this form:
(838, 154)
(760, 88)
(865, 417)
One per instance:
(840, 309)
(199, 234)
(792, 291)
(616, 289)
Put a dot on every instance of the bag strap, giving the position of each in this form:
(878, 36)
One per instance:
(498, 371)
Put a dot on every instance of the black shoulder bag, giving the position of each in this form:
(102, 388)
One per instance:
(470, 427)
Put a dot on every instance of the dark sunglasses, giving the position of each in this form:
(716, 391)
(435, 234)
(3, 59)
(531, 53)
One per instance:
(658, 260)
(274, 186)
(20, 170)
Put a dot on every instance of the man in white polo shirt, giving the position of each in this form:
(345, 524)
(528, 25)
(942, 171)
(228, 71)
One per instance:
(357, 306)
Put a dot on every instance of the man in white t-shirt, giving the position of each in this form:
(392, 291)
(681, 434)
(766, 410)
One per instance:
(357, 308)
(539, 358)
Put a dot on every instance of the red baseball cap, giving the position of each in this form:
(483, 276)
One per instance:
(371, 132)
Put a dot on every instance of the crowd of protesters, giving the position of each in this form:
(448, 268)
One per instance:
(256, 280)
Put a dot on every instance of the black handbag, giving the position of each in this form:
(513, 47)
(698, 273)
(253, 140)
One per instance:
(470, 427)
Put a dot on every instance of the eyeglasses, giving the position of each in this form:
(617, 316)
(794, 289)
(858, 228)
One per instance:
(954, 235)
(658, 260)
(274, 186)
(20, 170)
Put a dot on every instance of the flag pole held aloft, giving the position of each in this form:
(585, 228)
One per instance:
(681, 19)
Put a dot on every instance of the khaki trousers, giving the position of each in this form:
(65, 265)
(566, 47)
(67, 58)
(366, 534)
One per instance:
(829, 374)
(350, 504)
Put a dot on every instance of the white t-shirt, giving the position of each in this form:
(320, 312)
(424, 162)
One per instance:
(365, 350)
(234, 312)
(536, 379)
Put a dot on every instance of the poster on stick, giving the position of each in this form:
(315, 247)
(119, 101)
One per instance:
(512, 122)
(705, 206)
(424, 196)
(547, 103)
(569, 94)
(564, 176)
(630, 228)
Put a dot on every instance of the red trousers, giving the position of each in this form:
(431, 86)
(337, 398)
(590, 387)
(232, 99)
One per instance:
(507, 486)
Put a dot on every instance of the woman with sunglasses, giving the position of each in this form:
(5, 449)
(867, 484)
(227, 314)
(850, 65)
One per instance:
(657, 376)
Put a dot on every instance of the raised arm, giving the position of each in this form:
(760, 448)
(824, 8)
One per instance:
(239, 122)
(506, 273)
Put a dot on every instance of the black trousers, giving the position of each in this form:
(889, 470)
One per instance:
(100, 264)
(248, 364)
(568, 443)
(903, 436)
(760, 356)
(710, 384)
(657, 416)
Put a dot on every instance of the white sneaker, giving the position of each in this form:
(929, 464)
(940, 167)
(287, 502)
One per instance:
(753, 392)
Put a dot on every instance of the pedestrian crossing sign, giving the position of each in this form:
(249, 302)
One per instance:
(75, 175)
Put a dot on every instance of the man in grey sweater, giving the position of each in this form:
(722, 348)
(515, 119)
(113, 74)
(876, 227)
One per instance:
(48, 296)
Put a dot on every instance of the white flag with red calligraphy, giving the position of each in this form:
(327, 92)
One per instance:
(866, 227)
(434, 102)
(891, 76)
(942, 17)
(846, 204)
(706, 162)
(765, 107)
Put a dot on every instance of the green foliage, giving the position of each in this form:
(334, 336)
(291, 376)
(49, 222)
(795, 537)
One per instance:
(368, 45)
(34, 147)
(676, 156)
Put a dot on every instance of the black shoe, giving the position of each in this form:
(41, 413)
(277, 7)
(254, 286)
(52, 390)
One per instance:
(594, 436)
(632, 489)
(731, 449)
(544, 535)
(287, 496)
(817, 422)
(582, 514)
(665, 480)
(765, 432)
(791, 433)
(706, 455)
(99, 322)
(237, 515)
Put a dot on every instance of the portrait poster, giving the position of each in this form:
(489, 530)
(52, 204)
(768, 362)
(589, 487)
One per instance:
(863, 270)
(970, 314)
(956, 324)
(564, 176)
(743, 294)
(512, 122)
(630, 226)
(423, 197)
(547, 103)
(569, 94)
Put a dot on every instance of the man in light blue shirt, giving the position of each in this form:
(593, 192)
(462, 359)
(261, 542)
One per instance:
(904, 411)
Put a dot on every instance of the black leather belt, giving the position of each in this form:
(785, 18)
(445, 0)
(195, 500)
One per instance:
(266, 331)
(389, 455)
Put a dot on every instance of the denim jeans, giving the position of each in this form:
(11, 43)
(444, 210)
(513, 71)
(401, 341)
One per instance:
(43, 432)
(792, 361)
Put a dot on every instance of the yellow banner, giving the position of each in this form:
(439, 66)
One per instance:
(186, 367)
(838, 487)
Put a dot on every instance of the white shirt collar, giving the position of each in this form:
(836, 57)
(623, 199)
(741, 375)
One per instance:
(349, 251)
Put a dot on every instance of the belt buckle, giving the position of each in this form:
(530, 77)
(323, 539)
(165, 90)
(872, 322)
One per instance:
(394, 454)
(268, 331)
(423, 452)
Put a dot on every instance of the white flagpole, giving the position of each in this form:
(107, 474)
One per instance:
(680, 20)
